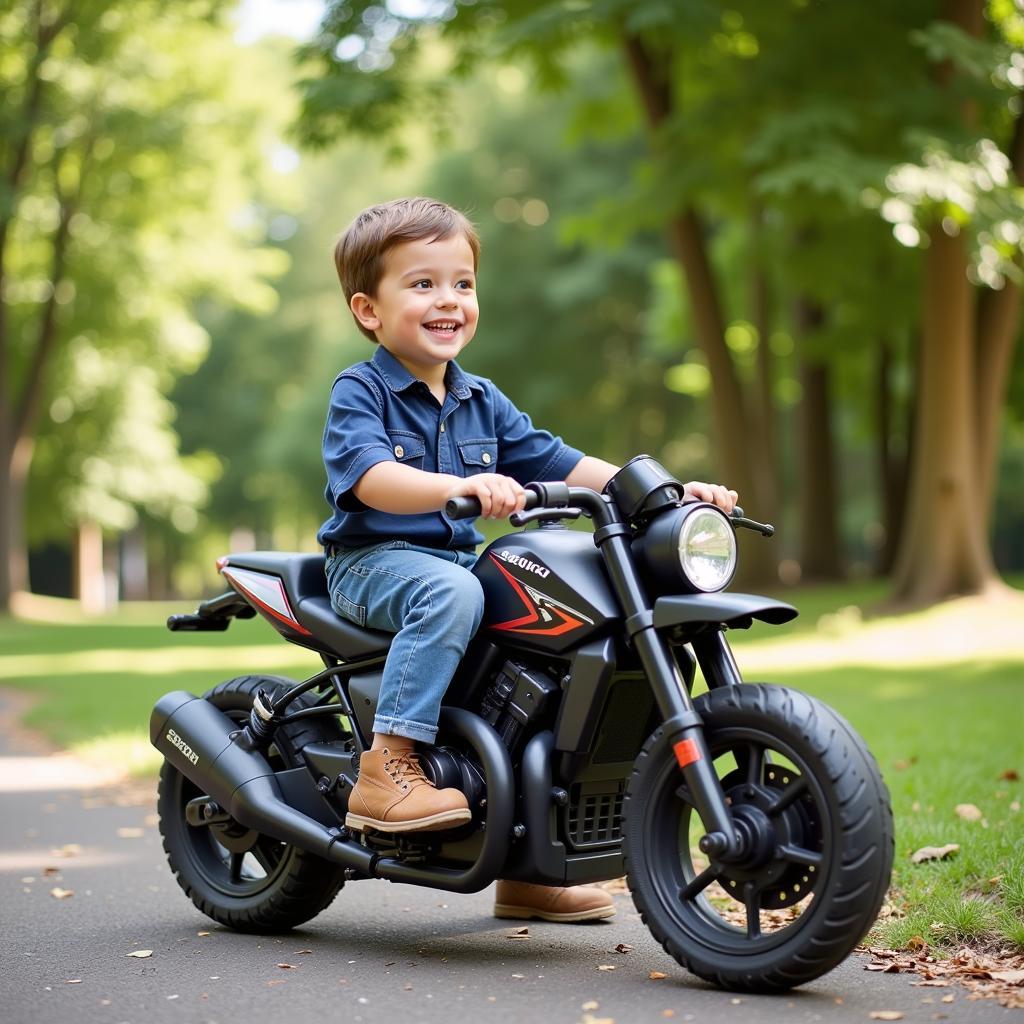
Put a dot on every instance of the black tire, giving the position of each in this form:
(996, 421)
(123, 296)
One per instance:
(816, 888)
(264, 886)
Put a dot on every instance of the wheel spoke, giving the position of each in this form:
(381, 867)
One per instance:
(794, 790)
(267, 854)
(752, 904)
(683, 793)
(751, 763)
(798, 855)
(236, 867)
(698, 884)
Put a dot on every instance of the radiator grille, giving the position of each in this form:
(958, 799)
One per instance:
(594, 814)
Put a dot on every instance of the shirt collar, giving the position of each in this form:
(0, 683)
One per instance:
(398, 378)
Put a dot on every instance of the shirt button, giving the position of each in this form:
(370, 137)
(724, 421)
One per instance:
(486, 457)
(442, 428)
(399, 451)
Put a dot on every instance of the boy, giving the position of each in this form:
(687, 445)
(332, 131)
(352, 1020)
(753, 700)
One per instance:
(405, 432)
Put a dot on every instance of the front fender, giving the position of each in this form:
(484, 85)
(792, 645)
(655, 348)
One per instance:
(728, 609)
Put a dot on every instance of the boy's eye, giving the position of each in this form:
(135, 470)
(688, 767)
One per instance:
(465, 285)
(421, 284)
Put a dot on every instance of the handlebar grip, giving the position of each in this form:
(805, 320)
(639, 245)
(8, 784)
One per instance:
(468, 507)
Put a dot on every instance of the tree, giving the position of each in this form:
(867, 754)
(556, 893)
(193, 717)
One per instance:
(127, 158)
(962, 202)
(791, 116)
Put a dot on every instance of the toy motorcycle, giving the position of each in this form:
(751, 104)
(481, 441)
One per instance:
(751, 823)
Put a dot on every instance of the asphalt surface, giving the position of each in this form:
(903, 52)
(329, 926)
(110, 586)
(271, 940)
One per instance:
(381, 952)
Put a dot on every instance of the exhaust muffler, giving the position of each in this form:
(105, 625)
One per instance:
(196, 738)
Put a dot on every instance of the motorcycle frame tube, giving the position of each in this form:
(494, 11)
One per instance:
(682, 723)
(500, 805)
(716, 660)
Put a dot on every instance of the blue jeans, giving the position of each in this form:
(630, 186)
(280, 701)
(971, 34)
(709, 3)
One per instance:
(431, 601)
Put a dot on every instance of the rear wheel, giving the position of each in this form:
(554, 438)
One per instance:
(239, 877)
(807, 794)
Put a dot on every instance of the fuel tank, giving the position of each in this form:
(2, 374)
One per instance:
(546, 589)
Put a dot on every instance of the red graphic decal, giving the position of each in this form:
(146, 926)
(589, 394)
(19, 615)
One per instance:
(532, 615)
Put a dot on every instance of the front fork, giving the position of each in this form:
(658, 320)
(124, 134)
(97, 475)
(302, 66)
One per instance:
(685, 731)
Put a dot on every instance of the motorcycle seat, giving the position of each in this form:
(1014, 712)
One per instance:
(305, 586)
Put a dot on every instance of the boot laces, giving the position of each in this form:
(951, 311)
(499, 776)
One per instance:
(405, 769)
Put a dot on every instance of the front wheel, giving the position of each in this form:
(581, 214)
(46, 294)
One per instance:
(807, 795)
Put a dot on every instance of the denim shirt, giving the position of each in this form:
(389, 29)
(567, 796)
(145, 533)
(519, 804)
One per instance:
(380, 412)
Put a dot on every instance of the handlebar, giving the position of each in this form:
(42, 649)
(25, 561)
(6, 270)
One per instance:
(560, 495)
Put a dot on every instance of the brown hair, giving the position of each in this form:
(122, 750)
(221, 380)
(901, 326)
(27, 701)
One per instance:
(359, 252)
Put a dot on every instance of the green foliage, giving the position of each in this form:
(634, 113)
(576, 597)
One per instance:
(150, 138)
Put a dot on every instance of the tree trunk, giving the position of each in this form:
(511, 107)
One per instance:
(943, 549)
(820, 544)
(745, 464)
(891, 465)
(997, 329)
(90, 586)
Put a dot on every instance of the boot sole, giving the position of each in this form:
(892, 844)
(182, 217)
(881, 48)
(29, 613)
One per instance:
(530, 913)
(431, 823)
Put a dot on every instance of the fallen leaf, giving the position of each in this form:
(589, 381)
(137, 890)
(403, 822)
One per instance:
(277, 981)
(287, 967)
(130, 833)
(49, 872)
(1009, 977)
(1010, 775)
(588, 1019)
(590, 1005)
(73, 981)
(886, 1015)
(668, 1013)
(969, 812)
(735, 1002)
(915, 944)
(300, 952)
(201, 934)
(622, 947)
(67, 850)
(934, 852)
(61, 894)
(407, 988)
(519, 976)
(519, 933)
(948, 999)
(657, 975)
(142, 954)
(605, 967)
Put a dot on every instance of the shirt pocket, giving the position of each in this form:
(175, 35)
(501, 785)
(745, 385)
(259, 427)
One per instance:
(408, 448)
(479, 455)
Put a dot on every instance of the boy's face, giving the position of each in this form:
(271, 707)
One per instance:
(425, 310)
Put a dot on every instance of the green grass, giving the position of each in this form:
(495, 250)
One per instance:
(943, 735)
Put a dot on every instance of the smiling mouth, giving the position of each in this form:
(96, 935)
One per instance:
(443, 328)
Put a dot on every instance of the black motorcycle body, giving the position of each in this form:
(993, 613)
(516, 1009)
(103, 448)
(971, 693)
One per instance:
(751, 822)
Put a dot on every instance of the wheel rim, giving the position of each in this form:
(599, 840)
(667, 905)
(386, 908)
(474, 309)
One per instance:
(237, 862)
(780, 806)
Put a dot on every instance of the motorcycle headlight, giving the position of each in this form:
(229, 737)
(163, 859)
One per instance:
(693, 546)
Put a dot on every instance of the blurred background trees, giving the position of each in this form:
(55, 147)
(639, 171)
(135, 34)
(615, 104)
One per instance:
(777, 245)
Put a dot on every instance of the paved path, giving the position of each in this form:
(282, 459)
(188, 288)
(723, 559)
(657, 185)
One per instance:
(381, 952)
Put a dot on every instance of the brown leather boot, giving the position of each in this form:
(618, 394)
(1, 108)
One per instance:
(524, 901)
(393, 795)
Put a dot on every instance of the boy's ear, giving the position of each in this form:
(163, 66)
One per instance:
(364, 310)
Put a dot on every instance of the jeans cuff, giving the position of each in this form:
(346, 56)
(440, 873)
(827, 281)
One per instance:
(410, 730)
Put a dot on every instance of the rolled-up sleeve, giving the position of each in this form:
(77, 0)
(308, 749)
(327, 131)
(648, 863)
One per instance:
(354, 438)
(526, 452)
